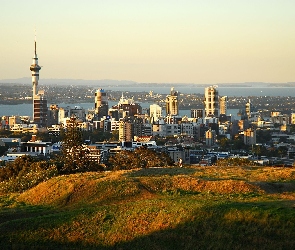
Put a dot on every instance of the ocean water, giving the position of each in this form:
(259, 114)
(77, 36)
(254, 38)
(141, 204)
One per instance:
(223, 91)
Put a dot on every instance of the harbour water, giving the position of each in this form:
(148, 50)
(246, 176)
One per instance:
(223, 91)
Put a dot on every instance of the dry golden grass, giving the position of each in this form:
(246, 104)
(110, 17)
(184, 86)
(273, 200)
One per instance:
(187, 183)
(217, 207)
(251, 174)
(75, 188)
(107, 186)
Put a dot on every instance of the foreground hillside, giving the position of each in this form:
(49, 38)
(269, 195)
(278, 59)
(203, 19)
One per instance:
(165, 208)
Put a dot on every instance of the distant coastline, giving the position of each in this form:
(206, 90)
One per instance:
(114, 83)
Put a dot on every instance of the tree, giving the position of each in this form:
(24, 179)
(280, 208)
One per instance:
(282, 151)
(224, 143)
(115, 135)
(141, 157)
(74, 155)
(3, 149)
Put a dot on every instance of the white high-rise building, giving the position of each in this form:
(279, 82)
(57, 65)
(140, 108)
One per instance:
(211, 101)
(155, 112)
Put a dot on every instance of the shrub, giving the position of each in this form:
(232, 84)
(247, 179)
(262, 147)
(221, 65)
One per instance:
(25, 173)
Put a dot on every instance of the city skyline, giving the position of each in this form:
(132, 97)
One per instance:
(155, 41)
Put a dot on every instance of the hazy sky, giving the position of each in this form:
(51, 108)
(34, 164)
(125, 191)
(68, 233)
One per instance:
(197, 41)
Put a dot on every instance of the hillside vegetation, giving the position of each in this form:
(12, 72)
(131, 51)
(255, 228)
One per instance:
(156, 208)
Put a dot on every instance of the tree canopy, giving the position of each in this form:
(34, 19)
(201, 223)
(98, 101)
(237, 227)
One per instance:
(141, 157)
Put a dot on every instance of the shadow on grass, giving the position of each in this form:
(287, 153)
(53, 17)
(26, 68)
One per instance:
(233, 225)
(252, 225)
(276, 187)
(161, 171)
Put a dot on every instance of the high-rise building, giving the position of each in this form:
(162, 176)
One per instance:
(196, 113)
(101, 103)
(211, 101)
(155, 112)
(40, 109)
(248, 108)
(126, 130)
(210, 137)
(223, 105)
(172, 103)
(53, 115)
(39, 101)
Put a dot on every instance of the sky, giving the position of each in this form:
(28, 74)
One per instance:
(159, 41)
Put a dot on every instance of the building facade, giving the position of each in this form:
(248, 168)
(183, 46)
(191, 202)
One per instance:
(172, 103)
(101, 105)
(211, 101)
(223, 105)
(40, 109)
(155, 112)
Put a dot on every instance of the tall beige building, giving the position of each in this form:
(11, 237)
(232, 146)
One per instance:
(101, 103)
(172, 103)
(126, 130)
(223, 105)
(211, 101)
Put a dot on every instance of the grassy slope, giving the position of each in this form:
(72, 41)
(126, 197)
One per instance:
(191, 208)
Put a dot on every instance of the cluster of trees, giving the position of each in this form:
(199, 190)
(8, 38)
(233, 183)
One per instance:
(235, 162)
(258, 150)
(141, 157)
(25, 172)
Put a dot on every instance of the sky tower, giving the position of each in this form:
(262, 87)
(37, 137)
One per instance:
(39, 101)
(35, 71)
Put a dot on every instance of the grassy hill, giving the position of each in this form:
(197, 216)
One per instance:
(165, 208)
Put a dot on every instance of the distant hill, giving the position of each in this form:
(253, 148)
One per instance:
(103, 82)
(110, 82)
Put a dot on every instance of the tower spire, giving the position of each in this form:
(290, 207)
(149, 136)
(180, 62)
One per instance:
(35, 44)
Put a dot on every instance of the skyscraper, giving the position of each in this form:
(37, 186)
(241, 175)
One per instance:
(101, 103)
(40, 109)
(39, 101)
(248, 108)
(172, 103)
(211, 101)
(223, 105)
(155, 112)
